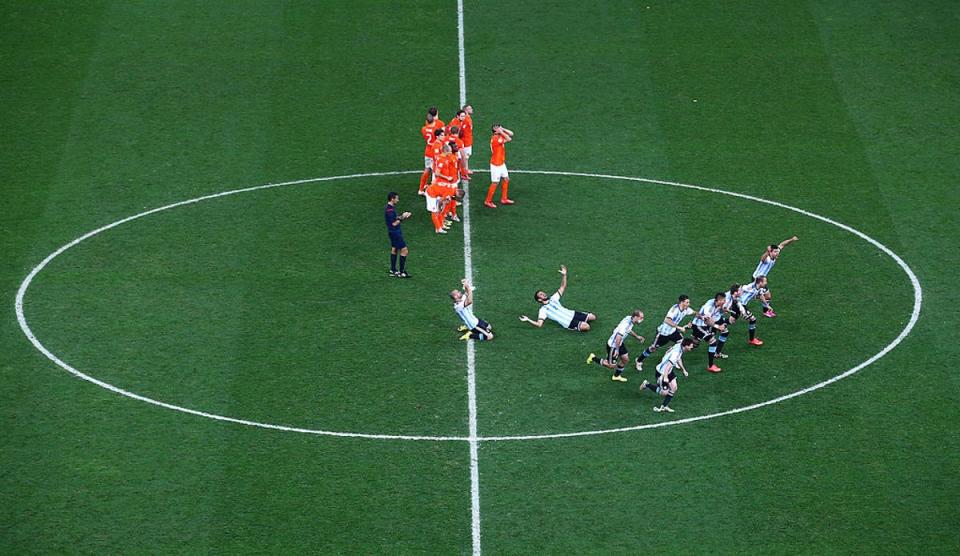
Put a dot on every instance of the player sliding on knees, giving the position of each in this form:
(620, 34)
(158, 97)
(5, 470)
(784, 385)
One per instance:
(617, 354)
(473, 328)
(665, 380)
(553, 310)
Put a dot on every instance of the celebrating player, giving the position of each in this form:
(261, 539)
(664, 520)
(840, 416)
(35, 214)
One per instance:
(617, 354)
(670, 329)
(755, 289)
(706, 325)
(665, 379)
(498, 165)
(553, 310)
(473, 328)
(767, 260)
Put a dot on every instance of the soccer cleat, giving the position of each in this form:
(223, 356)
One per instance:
(393, 273)
(666, 408)
(643, 385)
(639, 365)
(422, 193)
(618, 378)
(462, 328)
(403, 274)
(714, 369)
(489, 204)
(590, 358)
(466, 335)
(441, 231)
(756, 342)
(455, 218)
(722, 356)
(658, 408)
(506, 202)
(769, 313)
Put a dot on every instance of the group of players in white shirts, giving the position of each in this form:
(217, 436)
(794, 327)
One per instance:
(710, 325)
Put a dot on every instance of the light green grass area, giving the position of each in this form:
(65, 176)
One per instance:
(275, 305)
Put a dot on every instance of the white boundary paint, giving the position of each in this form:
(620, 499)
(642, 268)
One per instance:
(471, 352)
(25, 285)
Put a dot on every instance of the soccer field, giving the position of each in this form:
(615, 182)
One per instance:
(203, 351)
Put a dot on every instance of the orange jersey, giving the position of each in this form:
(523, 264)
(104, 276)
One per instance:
(498, 154)
(427, 133)
(466, 130)
(447, 167)
(439, 191)
(435, 149)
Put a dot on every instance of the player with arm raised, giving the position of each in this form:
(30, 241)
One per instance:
(553, 310)
(767, 260)
(617, 353)
(498, 165)
(473, 328)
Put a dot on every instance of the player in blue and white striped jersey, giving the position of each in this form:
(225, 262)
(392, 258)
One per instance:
(733, 310)
(749, 292)
(767, 260)
(706, 325)
(473, 327)
(617, 353)
(664, 379)
(670, 330)
(552, 309)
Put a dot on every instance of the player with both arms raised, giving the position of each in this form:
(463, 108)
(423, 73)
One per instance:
(473, 328)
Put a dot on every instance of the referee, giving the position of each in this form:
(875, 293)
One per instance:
(396, 236)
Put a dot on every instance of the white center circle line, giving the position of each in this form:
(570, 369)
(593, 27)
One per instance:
(24, 326)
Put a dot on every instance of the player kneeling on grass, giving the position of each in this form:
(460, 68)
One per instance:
(617, 354)
(553, 310)
(473, 328)
(665, 380)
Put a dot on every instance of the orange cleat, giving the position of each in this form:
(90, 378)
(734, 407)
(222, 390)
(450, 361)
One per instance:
(756, 342)
(506, 202)
(714, 369)
(489, 204)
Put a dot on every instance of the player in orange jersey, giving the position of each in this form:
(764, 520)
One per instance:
(453, 137)
(447, 173)
(427, 132)
(465, 115)
(498, 165)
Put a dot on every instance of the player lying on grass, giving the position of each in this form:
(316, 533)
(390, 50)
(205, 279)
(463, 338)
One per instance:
(553, 310)
(767, 260)
(617, 353)
(473, 328)
(665, 380)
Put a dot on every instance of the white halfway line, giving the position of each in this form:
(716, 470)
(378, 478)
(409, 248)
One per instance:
(471, 353)
(25, 327)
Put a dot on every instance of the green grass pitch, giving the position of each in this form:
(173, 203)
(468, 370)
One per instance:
(274, 305)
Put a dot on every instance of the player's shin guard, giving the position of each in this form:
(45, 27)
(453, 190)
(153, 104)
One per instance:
(437, 220)
(618, 371)
(646, 353)
(711, 354)
(403, 263)
(504, 189)
(491, 191)
(666, 399)
(721, 341)
(752, 328)
(393, 262)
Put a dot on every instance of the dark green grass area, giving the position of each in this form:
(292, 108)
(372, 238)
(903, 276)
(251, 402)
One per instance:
(275, 306)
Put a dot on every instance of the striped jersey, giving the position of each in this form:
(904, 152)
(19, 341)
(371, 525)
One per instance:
(622, 329)
(672, 356)
(708, 310)
(554, 311)
(675, 314)
(465, 312)
(749, 292)
(764, 266)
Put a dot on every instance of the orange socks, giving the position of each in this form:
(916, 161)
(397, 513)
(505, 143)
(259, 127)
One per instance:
(437, 218)
(503, 192)
(424, 177)
(491, 191)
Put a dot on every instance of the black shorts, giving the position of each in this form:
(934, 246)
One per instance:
(662, 340)
(578, 317)
(396, 241)
(620, 352)
(703, 334)
(657, 379)
(482, 326)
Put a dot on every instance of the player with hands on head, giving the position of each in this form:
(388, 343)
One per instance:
(551, 308)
